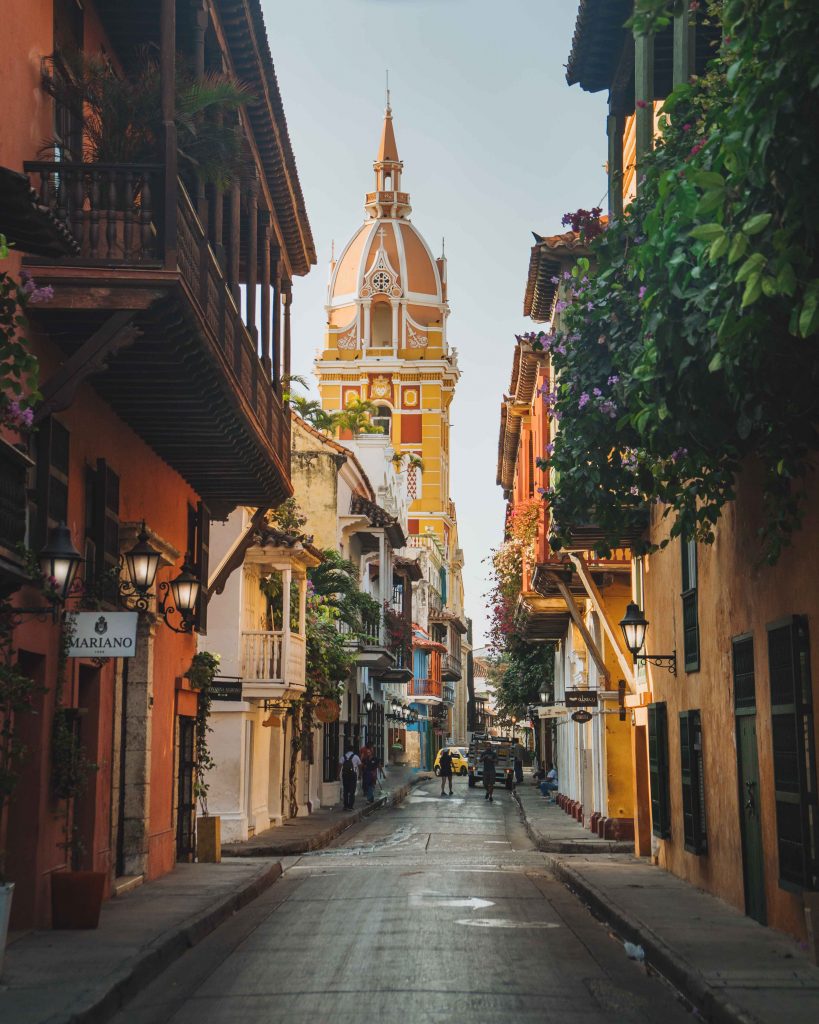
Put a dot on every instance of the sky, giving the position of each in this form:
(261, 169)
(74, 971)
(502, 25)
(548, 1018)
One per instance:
(495, 145)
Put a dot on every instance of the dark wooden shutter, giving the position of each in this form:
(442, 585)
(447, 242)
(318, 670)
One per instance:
(693, 789)
(658, 769)
(794, 753)
(201, 557)
(106, 527)
(53, 444)
(690, 615)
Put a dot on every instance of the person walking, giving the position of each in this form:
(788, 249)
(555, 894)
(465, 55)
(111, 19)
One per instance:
(489, 760)
(350, 767)
(445, 770)
(369, 775)
(519, 755)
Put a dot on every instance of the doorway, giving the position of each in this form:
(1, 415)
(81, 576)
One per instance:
(753, 862)
(186, 801)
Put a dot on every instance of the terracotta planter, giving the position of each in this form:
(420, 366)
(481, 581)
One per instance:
(6, 893)
(327, 710)
(76, 898)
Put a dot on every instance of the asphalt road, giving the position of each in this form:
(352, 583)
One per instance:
(435, 911)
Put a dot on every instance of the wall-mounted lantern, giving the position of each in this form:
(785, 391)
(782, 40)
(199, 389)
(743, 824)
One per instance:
(634, 626)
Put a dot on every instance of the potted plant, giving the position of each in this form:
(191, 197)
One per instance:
(201, 674)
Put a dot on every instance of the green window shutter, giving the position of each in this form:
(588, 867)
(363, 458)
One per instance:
(794, 753)
(658, 769)
(693, 788)
(690, 613)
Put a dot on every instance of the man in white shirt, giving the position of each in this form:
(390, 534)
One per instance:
(350, 767)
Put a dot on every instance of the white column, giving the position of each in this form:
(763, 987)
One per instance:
(367, 336)
(287, 575)
(302, 605)
(395, 327)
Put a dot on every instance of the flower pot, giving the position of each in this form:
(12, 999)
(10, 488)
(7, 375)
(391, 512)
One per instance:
(76, 898)
(6, 893)
(327, 710)
(209, 839)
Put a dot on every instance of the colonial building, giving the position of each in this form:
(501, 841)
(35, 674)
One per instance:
(386, 342)
(161, 409)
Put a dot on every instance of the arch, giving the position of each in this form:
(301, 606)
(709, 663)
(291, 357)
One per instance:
(381, 325)
(383, 418)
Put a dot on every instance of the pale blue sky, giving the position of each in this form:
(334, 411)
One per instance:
(494, 144)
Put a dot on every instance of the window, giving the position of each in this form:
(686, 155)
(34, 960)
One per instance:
(794, 753)
(383, 419)
(691, 628)
(52, 478)
(693, 789)
(658, 769)
(331, 752)
(381, 326)
(744, 678)
(102, 529)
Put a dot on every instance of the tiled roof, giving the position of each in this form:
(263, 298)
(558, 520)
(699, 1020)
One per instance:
(598, 41)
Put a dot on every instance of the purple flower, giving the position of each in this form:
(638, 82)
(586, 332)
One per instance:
(555, 280)
(642, 292)
(567, 275)
(44, 294)
(590, 306)
(614, 379)
(678, 453)
(550, 447)
(584, 400)
(541, 491)
(609, 408)
(560, 306)
(597, 392)
(560, 349)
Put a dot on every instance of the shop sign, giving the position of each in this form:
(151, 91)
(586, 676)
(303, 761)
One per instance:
(102, 634)
(581, 698)
(226, 689)
(581, 716)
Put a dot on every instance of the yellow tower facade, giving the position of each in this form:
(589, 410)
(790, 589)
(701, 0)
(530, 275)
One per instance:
(386, 342)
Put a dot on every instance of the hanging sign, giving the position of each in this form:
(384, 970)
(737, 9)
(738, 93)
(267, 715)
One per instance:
(226, 689)
(581, 698)
(581, 716)
(103, 634)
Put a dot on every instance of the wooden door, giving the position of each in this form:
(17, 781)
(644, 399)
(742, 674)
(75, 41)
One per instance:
(753, 863)
(186, 801)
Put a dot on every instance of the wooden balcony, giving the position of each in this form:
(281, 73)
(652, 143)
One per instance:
(425, 691)
(273, 662)
(149, 311)
(448, 694)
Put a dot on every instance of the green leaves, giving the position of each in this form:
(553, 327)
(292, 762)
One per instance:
(758, 223)
(809, 313)
(707, 232)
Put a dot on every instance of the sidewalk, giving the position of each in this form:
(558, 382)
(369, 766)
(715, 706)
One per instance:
(85, 976)
(299, 835)
(554, 831)
(733, 970)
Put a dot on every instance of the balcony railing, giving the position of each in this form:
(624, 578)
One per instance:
(372, 629)
(116, 213)
(451, 666)
(270, 656)
(424, 688)
(448, 694)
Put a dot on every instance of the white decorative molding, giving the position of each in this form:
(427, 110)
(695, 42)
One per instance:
(348, 340)
(417, 339)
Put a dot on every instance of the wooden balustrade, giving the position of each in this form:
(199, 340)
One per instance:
(262, 655)
(424, 688)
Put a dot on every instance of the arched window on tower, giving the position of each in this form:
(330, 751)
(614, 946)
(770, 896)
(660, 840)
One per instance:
(381, 325)
(383, 419)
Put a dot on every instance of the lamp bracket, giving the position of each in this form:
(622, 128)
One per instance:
(668, 661)
(163, 608)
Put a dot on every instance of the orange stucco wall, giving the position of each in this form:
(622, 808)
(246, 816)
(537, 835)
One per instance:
(737, 595)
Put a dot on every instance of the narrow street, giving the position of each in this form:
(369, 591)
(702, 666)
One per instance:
(437, 910)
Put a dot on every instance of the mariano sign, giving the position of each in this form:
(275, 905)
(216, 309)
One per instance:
(103, 634)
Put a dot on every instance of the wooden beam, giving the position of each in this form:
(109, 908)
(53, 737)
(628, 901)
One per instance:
(167, 76)
(615, 124)
(644, 94)
(610, 628)
(235, 242)
(267, 362)
(683, 62)
(235, 555)
(252, 260)
(91, 357)
(577, 618)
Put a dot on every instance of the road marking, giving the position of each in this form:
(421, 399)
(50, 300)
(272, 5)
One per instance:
(435, 899)
(502, 842)
(500, 922)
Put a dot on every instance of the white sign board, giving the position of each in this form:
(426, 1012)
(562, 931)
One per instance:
(552, 712)
(103, 634)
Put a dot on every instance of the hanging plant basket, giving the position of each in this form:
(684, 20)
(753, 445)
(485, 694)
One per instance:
(327, 710)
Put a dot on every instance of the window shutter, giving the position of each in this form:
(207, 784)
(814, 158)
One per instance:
(658, 769)
(693, 789)
(202, 559)
(794, 753)
(691, 627)
(105, 527)
(52, 478)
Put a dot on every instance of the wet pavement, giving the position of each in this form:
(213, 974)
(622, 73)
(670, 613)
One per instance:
(437, 910)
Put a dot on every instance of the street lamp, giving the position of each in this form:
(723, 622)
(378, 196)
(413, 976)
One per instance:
(142, 562)
(368, 703)
(544, 696)
(184, 590)
(634, 626)
(59, 560)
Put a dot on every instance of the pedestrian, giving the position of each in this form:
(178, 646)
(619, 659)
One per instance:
(549, 784)
(445, 770)
(350, 767)
(489, 759)
(519, 755)
(369, 775)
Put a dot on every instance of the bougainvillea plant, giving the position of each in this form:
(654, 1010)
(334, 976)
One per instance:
(689, 354)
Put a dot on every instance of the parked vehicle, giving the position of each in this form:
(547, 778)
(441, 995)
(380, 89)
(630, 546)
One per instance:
(504, 766)
(459, 763)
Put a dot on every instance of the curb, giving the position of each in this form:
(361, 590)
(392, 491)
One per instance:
(294, 847)
(154, 959)
(709, 1002)
(546, 845)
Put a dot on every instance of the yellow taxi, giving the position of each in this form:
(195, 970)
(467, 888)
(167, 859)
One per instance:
(458, 760)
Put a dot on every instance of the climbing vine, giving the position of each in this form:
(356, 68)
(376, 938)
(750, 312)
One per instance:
(202, 672)
(687, 350)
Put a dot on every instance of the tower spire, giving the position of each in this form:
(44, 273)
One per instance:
(387, 200)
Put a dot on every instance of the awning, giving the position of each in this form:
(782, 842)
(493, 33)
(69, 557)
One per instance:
(28, 225)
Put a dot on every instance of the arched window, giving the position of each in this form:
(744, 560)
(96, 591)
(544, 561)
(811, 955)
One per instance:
(383, 418)
(382, 325)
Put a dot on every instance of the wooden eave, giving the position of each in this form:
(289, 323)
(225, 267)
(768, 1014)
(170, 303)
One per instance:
(599, 36)
(173, 385)
(548, 258)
